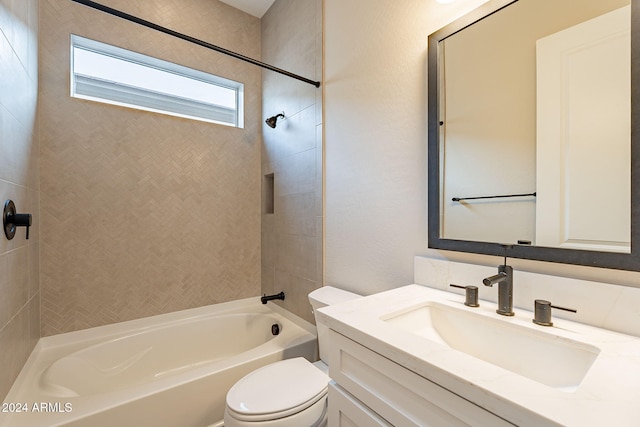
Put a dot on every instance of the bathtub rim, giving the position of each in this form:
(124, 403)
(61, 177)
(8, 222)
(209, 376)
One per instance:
(113, 330)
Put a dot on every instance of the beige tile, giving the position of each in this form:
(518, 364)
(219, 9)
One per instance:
(297, 214)
(6, 290)
(18, 271)
(15, 283)
(296, 173)
(34, 321)
(269, 243)
(16, 91)
(15, 338)
(33, 253)
(33, 40)
(18, 35)
(297, 255)
(302, 136)
(8, 125)
(305, 170)
(9, 68)
(269, 280)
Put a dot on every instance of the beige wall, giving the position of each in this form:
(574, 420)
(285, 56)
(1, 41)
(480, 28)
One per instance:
(375, 115)
(144, 213)
(375, 146)
(19, 275)
(292, 235)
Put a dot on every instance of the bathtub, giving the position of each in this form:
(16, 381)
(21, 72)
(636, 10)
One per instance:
(169, 370)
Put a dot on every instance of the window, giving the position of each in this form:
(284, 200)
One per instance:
(109, 74)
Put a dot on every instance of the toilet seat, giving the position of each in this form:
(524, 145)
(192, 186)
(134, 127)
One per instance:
(279, 390)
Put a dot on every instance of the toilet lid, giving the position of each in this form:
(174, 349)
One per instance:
(277, 388)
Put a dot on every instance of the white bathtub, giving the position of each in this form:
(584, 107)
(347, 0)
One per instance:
(170, 370)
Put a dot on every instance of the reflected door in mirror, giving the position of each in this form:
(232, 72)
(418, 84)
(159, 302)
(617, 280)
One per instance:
(583, 135)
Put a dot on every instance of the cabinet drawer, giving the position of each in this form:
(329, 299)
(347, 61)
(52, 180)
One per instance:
(346, 411)
(397, 394)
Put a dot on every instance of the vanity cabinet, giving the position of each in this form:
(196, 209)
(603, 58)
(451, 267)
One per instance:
(372, 390)
(347, 411)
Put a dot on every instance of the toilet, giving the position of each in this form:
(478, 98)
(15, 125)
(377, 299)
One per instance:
(291, 392)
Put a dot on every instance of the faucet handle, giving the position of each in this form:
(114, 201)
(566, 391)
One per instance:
(11, 220)
(542, 312)
(471, 294)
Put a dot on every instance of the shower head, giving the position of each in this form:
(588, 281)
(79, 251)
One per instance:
(271, 121)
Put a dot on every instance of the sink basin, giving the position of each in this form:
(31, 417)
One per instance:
(539, 355)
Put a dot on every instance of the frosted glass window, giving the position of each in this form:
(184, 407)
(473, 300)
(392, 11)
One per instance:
(113, 75)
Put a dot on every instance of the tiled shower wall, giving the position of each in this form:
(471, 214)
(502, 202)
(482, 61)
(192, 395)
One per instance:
(292, 234)
(19, 279)
(143, 213)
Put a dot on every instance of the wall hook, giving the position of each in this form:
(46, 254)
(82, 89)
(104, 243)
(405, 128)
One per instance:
(11, 220)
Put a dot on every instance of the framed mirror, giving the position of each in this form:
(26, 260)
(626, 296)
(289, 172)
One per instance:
(533, 124)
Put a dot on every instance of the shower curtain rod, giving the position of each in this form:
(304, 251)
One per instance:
(185, 37)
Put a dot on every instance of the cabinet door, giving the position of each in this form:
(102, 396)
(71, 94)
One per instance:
(346, 411)
(399, 395)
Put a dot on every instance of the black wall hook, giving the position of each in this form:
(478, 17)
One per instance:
(11, 220)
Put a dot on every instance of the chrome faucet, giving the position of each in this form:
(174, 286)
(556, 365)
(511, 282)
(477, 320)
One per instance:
(504, 279)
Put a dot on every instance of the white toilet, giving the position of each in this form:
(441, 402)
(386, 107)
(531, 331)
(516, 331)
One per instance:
(292, 392)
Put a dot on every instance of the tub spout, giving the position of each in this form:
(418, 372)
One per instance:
(265, 298)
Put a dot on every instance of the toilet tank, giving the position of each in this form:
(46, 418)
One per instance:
(323, 297)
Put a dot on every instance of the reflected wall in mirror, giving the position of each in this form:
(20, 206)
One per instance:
(533, 99)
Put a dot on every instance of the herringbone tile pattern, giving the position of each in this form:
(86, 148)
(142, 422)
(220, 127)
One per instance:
(143, 213)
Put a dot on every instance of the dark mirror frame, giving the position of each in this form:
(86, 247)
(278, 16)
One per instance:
(566, 256)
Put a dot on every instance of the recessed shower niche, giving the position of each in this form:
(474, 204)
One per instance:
(268, 194)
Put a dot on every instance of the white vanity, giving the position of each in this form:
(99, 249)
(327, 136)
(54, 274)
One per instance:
(416, 355)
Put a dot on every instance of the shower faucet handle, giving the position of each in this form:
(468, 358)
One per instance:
(11, 220)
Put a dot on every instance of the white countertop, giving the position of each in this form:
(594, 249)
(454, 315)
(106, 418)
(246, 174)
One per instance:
(608, 394)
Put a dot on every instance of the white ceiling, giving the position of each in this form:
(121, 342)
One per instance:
(256, 8)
